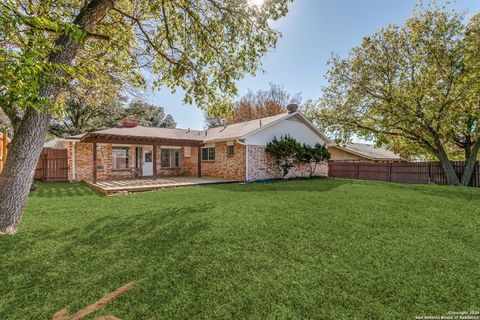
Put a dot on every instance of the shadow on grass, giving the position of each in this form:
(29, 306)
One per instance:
(319, 184)
(88, 261)
(53, 190)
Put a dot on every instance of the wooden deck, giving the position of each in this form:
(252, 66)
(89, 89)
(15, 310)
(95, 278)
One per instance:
(124, 186)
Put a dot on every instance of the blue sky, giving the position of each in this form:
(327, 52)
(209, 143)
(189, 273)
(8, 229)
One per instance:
(312, 30)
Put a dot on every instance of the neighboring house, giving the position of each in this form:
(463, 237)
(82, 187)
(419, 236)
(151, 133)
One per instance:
(234, 152)
(362, 152)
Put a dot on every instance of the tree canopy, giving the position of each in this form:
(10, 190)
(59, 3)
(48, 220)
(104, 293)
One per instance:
(80, 117)
(414, 87)
(254, 105)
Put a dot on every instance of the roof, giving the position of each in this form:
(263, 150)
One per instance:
(50, 144)
(369, 151)
(230, 132)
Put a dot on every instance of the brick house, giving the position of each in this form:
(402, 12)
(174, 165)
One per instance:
(234, 152)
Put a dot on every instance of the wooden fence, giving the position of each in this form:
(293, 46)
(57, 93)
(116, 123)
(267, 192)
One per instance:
(405, 172)
(3, 148)
(52, 165)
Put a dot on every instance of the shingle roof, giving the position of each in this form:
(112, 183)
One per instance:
(230, 132)
(241, 129)
(370, 151)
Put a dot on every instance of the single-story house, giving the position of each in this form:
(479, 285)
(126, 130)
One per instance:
(234, 152)
(362, 152)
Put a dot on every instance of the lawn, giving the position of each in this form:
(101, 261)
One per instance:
(325, 249)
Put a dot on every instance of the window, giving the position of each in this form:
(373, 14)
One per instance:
(208, 154)
(100, 157)
(170, 158)
(230, 151)
(120, 158)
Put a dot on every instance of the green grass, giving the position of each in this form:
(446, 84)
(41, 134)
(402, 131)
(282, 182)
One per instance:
(325, 249)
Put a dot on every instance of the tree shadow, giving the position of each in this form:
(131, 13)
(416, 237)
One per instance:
(51, 269)
(319, 184)
(77, 189)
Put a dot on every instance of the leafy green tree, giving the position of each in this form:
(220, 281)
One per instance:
(150, 115)
(78, 117)
(312, 156)
(406, 86)
(285, 151)
(201, 46)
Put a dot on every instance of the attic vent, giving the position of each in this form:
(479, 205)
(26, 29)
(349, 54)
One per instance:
(291, 108)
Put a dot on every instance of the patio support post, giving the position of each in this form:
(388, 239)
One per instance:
(154, 159)
(94, 162)
(199, 151)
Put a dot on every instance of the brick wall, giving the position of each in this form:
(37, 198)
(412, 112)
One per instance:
(169, 171)
(262, 166)
(190, 164)
(84, 162)
(224, 166)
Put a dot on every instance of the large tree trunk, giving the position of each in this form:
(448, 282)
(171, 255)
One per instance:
(452, 178)
(470, 162)
(15, 180)
(17, 174)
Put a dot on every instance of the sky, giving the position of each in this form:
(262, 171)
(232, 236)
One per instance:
(311, 32)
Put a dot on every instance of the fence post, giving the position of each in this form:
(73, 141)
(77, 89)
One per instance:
(429, 172)
(357, 169)
(389, 172)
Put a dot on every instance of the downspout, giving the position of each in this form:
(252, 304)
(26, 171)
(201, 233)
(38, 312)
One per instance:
(246, 158)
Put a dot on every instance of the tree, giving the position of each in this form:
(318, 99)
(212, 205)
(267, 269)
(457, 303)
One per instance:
(285, 151)
(78, 118)
(200, 46)
(150, 115)
(406, 85)
(254, 105)
(312, 156)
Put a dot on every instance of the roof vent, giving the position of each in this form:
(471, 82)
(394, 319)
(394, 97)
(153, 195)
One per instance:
(129, 122)
(291, 108)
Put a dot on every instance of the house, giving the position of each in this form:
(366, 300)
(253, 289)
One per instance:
(362, 152)
(233, 152)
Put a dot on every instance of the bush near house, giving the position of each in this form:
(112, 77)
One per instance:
(288, 153)
(305, 249)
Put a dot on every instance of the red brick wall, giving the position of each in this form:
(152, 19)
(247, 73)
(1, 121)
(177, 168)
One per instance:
(84, 163)
(168, 171)
(190, 164)
(226, 167)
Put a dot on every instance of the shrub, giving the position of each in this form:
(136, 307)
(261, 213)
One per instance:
(285, 151)
(312, 156)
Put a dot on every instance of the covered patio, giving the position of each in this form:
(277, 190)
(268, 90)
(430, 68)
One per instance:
(151, 148)
(111, 187)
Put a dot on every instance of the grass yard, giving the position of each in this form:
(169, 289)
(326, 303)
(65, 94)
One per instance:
(325, 249)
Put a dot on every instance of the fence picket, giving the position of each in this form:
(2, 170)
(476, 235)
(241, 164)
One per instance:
(52, 165)
(404, 172)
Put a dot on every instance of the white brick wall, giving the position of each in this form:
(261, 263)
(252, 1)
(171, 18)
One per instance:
(261, 166)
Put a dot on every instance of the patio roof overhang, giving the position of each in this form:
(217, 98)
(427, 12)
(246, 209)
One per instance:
(139, 140)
